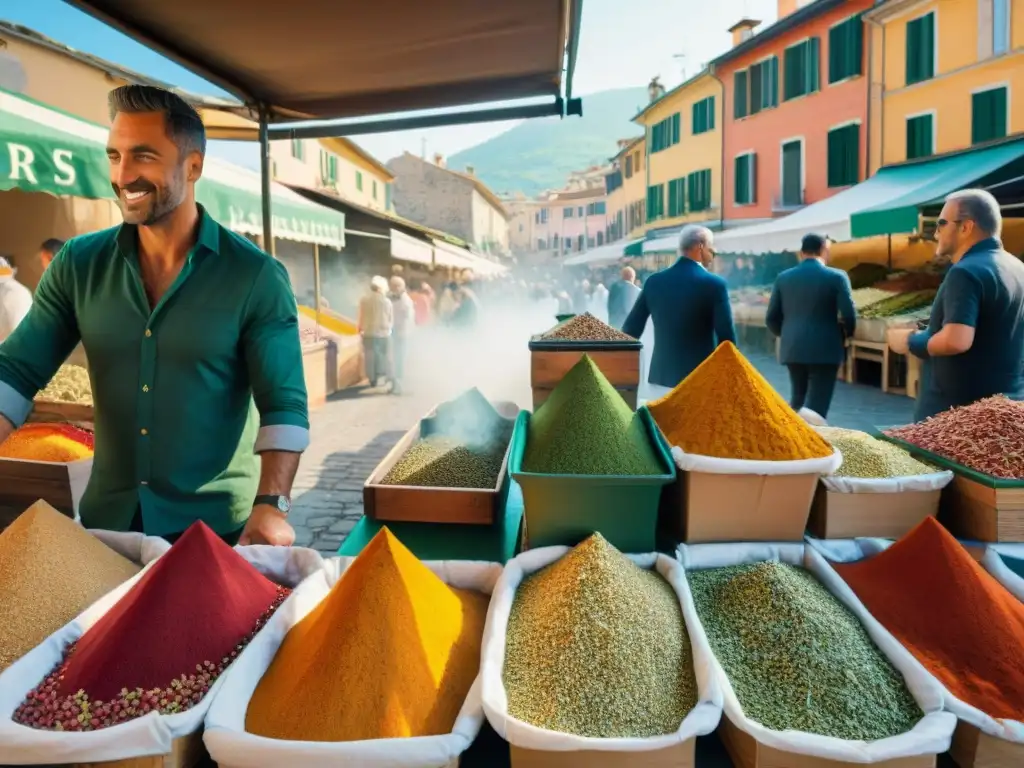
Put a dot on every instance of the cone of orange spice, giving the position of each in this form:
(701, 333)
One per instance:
(57, 443)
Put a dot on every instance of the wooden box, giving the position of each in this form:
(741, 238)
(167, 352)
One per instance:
(747, 752)
(417, 504)
(629, 394)
(679, 756)
(874, 515)
(971, 510)
(186, 752)
(314, 369)
(49, 411)
(618, 361)
(61, 485)
(973, 749)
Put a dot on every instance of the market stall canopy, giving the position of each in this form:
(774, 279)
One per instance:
(665, 244)
(600, 256)
(60, 154)
(407, 248)
(886, 204)
(447, 255)
(314, 59)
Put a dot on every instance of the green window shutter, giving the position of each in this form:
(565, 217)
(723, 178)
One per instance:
(740, 96)
(838, 42)
(813, 69)
(921, 49)
(741, 180)
(792, 72)
(676, 128)
(919, 136)
(695, 118)
(913, 46)
(988, 115)
(711, 113)
(855, 49)
(928, 46)
(681, 183)
(672, 202)
(773, 76)
(844, 156)
(756, 88)
(752, 165)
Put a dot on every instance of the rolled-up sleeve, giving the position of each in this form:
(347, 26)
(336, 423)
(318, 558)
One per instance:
(273, 356)
(31, 355)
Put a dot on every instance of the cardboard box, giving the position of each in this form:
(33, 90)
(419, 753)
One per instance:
(186, 752)
(979, 512)
(679, 756)
(705, 507)
(877, 515)
(973, 749)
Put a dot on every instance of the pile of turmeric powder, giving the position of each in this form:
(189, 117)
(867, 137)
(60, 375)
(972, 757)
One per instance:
(726, 409)
(56, 443)
(390, 652)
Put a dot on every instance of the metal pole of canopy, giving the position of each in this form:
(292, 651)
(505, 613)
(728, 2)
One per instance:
(268, 230)
(316, 286)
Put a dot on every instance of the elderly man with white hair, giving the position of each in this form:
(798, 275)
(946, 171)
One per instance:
(376, 318)
(15, 300)
(974, 345)
(689, 306)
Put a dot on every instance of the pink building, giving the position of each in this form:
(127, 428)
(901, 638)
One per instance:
(571, 221)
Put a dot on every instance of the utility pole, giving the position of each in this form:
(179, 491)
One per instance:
(682, 63)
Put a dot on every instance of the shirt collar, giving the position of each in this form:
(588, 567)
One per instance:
(982, 246)
(209, 235)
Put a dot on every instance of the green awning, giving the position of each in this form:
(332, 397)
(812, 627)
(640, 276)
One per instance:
(635, 248)
(47, 150)
(904, 189)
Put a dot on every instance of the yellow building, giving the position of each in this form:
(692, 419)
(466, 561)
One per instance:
(946, 75)
(683, 178)
(626, 187)
(337, 166)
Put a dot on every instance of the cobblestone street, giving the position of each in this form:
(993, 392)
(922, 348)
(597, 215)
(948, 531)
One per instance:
(353, 432)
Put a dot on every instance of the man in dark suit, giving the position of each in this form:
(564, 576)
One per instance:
(622, 295)
(807, 302)
(690, 309)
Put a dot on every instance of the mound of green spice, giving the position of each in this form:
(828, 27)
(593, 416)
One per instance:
(438, 461)
(865, 456)
(796, 657)
(586, 428)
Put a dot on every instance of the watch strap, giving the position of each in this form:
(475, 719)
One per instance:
(281, 503)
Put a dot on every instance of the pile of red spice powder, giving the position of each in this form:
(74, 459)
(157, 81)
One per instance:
(163, 645)
(951, 614)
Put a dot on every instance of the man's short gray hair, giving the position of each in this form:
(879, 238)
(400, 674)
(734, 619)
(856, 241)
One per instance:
(692, 236)
(184, 125)
(980, 207)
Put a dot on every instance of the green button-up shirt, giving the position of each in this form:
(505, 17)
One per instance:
(174, 388)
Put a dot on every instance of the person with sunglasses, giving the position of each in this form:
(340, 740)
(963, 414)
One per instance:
(974, 344)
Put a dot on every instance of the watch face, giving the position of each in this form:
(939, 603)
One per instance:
(283, 504)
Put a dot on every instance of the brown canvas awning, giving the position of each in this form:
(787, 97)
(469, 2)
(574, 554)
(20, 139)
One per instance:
(329, 59)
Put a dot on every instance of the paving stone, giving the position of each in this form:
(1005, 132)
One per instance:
(343, 526)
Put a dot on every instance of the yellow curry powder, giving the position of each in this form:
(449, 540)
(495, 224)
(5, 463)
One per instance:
(390, 652)
(726, 409)
(46, 442)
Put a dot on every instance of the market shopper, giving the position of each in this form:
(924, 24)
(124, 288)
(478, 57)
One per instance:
(15, 300)
(621, 297)
(689, 307)
(404, 313)
(48, 250)
(974, 344)
(375, 321)
(806, 303)
(185, 325)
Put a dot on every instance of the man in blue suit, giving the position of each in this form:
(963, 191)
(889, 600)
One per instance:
(690, 309)
(807, 303)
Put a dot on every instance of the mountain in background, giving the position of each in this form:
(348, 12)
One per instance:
(539, 154)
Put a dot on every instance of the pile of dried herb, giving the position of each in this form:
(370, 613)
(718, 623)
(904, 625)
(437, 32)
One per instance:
(797, 659)
(437, 461)
(586, 428)
(585, 327)
(900, 303)
(596, 646)
(865, 456)
(70, 385)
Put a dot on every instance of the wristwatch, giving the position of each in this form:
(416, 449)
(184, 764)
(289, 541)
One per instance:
(281, 503)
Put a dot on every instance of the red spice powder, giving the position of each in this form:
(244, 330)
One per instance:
(951, 614)
(163, 644)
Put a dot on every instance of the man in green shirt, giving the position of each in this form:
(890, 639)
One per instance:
(186, 326)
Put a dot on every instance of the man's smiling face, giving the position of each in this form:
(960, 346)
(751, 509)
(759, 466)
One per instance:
(147, 172)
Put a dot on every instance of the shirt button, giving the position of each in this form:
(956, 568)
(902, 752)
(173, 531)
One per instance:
(144, 431)
(145, 388)
(144, 482)
(148, 333)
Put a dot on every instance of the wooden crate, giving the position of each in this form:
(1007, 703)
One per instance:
(875, 351)
(61, 485)
(876, 515)
(186, 752)
(679, 756)
(314, 369)
(973, 749)
(416, 504)
(979, 512)
(747, 752)
(629, 394)
(620, 367)
(49, 411)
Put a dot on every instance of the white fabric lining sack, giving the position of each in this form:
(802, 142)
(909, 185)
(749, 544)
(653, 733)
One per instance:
(137, 547)
(231, 746)
(993, 563)
(692, 462)
(930, 736)
(813, 418)
(151, 734)
(933, 481)
(701, 720)
(857, 549)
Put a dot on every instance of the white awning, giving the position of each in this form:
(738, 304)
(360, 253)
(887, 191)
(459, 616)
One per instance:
(600, 256)
(407, 248)
(484, 266)
(448, 255)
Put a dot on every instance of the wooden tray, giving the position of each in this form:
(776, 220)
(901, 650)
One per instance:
(875, 515)
(746, 752)
(973, 749)
(61, 485)
(417, 504)
(979, 512)
(186, 752)
(71, 413)
(620, 366)
(678, 756)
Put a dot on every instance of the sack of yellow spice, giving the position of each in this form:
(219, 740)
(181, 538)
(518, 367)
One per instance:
(373, 661)
(725, 418)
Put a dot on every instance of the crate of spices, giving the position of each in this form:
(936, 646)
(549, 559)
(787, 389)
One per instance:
(451, 467)
(879, 490)
(66, 399)
(555, 352)
(47, 461)
(810, 679)
(587, 463)
(980, 444)
(748, 463)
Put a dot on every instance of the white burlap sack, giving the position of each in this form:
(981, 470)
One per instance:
(703, 719)
(933, 481)
(137, 547)
(149, 735)
(857, 549)
(813, 418)
(692, 462)
(231, 746)
(993, 563)
(930, 736)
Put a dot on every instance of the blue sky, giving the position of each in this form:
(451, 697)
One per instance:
(618, 48)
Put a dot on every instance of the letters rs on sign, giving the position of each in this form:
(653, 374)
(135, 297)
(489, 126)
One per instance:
(22, 165)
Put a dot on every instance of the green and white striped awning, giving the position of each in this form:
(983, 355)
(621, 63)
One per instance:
(43, 149)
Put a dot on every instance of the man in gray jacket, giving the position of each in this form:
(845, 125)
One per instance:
(622, 295)
(807, 303)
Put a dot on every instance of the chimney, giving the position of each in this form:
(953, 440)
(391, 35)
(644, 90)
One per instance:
(469, 170)
(743, 29)
(439, 160)
(655, 90)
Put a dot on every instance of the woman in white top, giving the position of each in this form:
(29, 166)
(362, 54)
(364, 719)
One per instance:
(15, 300)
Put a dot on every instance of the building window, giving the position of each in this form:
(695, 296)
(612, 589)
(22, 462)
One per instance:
(740, 96)
(298, 149)
(704, 116)
(846, 49)
(579, 211)
(921, 49)
(638, 161)
(988, 114)
(792, 173)
(554, 242)
(802, 68)
(541, 245)
(745, 179)
(920, 136)
(567, 212)
(374, 189)
(844, 155)
(629, 166)
(677, 197)
(1000, 26)
(655, 202)
(764, 85)
(666, 133)
(698, 186)
(600, 238)
(596, 209)
(579, 243)
(543, 215)
(387, 196)
(359, 180)
(328, 167)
